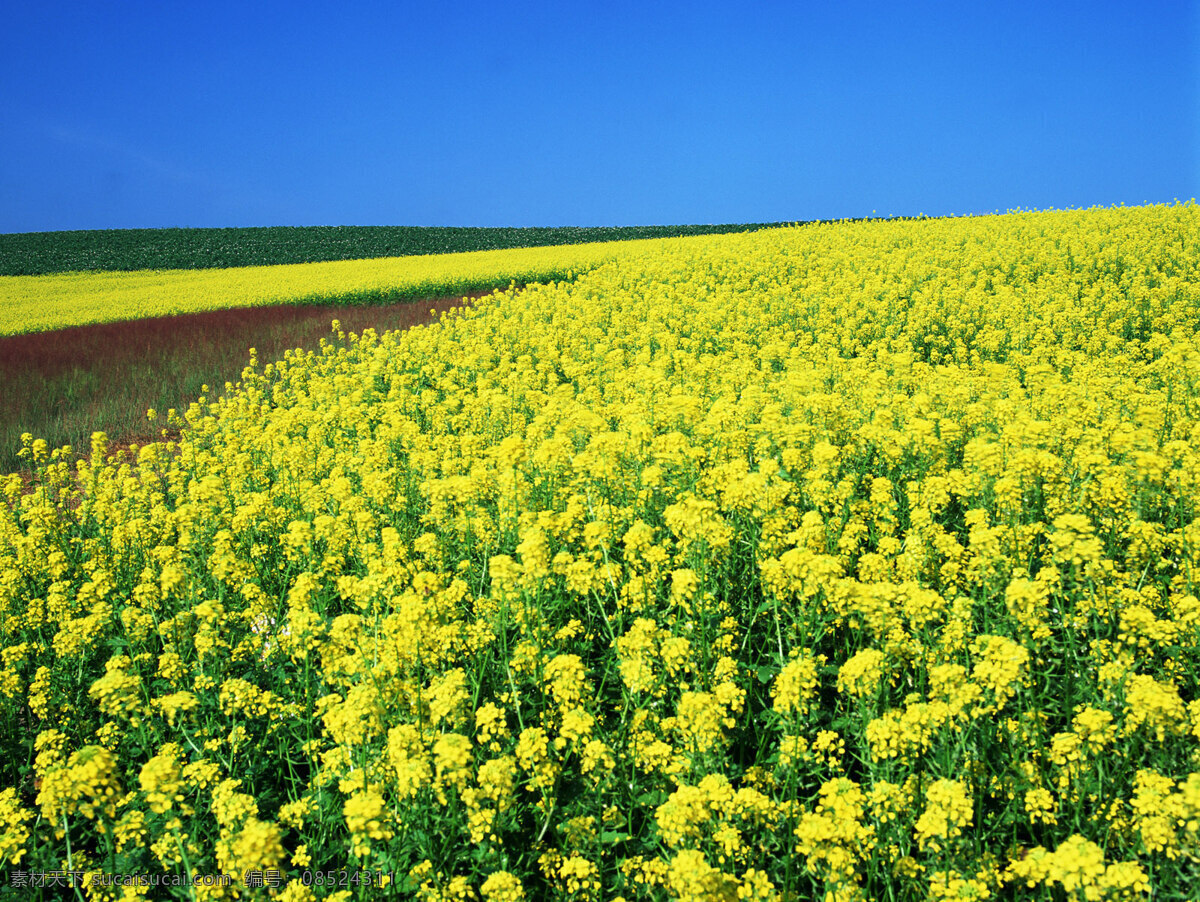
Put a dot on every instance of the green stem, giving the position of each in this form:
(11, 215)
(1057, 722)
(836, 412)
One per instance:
(71, 859)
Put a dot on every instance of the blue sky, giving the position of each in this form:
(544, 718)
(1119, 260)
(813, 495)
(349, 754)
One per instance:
(127, 114)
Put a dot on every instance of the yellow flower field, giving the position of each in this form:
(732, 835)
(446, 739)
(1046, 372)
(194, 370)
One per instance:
(837, 562)
(39, 303)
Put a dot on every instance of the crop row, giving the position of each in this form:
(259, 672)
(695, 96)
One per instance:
(48, 302)
(37, 253)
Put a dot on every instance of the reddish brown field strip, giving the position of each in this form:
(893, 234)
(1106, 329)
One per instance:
(66, 384)
(52, 353)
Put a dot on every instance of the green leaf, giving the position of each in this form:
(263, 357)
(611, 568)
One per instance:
(654, 797)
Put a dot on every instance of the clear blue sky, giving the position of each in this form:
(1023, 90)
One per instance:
(140, 114)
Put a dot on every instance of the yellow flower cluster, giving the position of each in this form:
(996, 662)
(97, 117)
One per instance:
(851, 561)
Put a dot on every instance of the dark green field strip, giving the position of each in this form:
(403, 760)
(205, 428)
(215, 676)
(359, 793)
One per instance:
(35, 253)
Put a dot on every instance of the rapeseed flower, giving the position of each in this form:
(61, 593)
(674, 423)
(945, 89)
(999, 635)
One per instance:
(801, 563)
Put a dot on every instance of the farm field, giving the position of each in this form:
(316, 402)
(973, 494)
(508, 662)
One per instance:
(38, 253)
(844, 561)
(56, 301)
(62, 385)
(87, 351)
